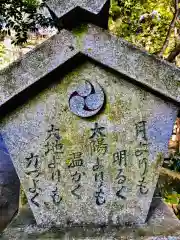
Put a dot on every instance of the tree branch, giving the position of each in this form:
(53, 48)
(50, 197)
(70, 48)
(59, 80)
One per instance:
(171, 26)
(174, 54)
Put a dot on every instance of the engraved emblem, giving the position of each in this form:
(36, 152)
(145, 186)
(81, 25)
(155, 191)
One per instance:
(87, 100)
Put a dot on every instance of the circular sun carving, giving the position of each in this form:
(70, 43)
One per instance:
(87, 100)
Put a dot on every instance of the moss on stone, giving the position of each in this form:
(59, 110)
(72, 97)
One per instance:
(89, 49)
(141, 232)
(68, 161)
(66, 141)
(23, 198)
(116, 111)
(159, 160)
(79, 32)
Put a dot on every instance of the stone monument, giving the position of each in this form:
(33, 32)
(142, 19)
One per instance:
(87, 118)
(9, 187)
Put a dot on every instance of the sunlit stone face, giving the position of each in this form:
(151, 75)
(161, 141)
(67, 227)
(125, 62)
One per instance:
(83, 170)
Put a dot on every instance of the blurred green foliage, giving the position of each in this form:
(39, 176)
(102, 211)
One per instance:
(173, 162)
(22, 16)
(143, 22)
(170, 188)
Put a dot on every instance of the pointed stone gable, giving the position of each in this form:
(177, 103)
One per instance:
(72, 12)
(100, 46)
(87, 118)
(62, 7)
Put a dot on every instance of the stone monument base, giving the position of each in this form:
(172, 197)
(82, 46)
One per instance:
(161, 224)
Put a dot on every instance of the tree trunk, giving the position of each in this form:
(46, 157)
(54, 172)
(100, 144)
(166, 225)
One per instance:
(174, 54)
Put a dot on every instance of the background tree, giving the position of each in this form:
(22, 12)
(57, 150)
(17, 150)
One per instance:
(149, 24)
(22, 16)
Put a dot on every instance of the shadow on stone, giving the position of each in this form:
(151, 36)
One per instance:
(9, 187)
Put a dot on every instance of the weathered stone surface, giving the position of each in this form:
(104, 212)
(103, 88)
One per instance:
(121, 56)
(9, 199)
(158, 76)
(8, 174)
(62, 7)
(161, 224)
(74, 194)
(9, 187)
(69, 14)
(101, 170)
(35, 65)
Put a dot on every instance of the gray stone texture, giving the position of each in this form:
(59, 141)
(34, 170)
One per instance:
(35, 65)
(161, 225)
(159, 76)
(25, 131)
(121, 56)
(62, 7)
(8, 174)
(138, 87)
(9, 187)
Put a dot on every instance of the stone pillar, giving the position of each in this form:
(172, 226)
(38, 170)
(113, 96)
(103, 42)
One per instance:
(9, 187)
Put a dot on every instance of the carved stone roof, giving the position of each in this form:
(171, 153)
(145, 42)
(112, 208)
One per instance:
(137, 66)
(62, 7)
